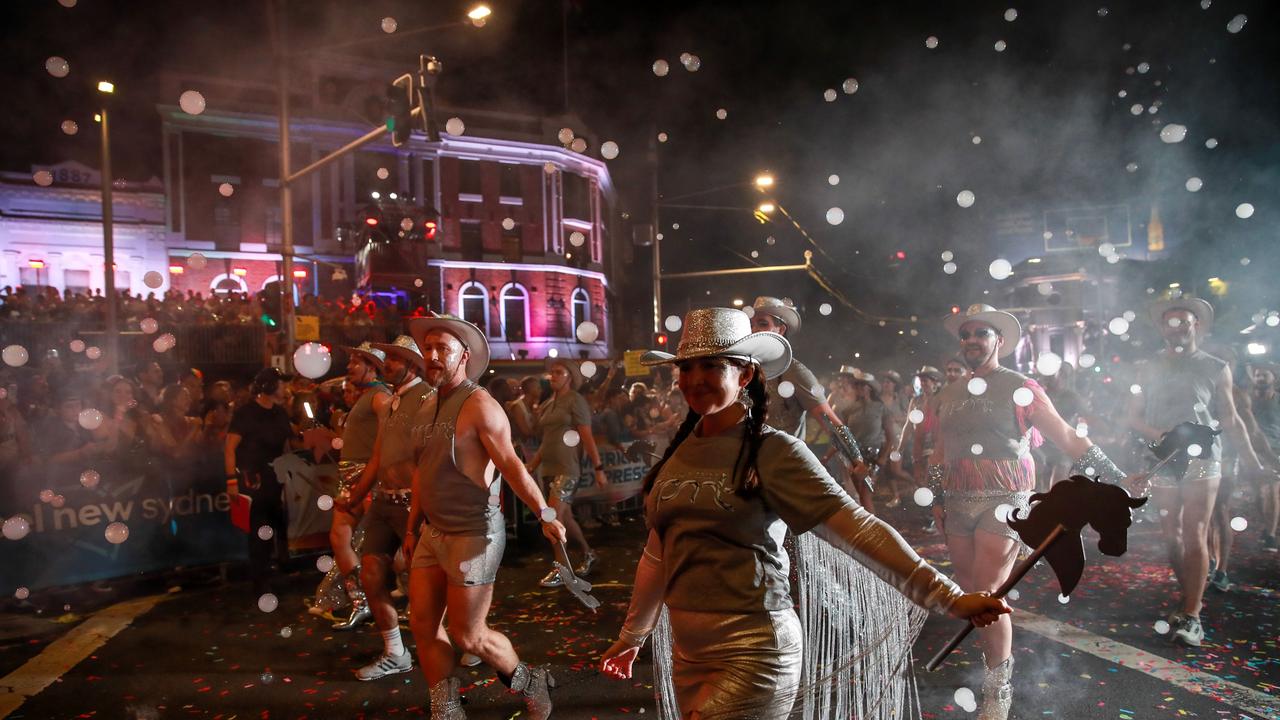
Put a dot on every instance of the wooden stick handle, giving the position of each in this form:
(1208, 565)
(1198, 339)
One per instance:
(1018, 573)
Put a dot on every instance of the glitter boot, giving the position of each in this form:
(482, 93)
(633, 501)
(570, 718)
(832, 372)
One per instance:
(535, 684)
(359, 605)
(997, 691)
(446, 703)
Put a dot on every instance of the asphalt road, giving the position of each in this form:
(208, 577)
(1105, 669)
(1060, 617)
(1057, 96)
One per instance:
(203, 649)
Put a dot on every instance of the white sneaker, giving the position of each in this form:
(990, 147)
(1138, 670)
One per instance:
(469, 660)
(386, 665)
(1189, 632)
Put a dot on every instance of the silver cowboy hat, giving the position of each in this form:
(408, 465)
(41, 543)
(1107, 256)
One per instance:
(366, 351)
(849, 370)
(405, 348)
(1194, 305)
(1004, 323)
(726, 332)
(472, 338)
(575, 373)
(929, 371)
(781, 309)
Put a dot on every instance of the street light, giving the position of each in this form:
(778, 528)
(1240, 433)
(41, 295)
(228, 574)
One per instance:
(764, 181)
(766, 207)
(479, 14)
(107, 89)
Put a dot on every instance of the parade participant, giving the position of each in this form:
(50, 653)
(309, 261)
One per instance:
(982, 465)
(844, 402)
(718, 505)
(259, 433)
(1183, 383)
(868, 420)
(899, 401)
(802, 393)
(955, 369)
(1265, 406)
(459, 432)
(564, 421)
(359, 432)
(391, 467)
(931, 381)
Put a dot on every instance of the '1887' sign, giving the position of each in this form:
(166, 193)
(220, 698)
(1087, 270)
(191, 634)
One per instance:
(71, 173)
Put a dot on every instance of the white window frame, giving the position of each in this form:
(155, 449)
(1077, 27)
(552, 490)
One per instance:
(213, 284)
(462, 310)
(502, 309)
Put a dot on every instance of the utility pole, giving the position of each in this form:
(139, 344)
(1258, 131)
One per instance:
(109, 251)
(657, 233)
(286, 191)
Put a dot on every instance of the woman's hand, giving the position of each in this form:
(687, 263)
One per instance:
(601, 481)
(618, 659)
(980, 608)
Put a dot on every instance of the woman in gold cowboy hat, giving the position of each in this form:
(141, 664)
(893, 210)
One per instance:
(718, 505)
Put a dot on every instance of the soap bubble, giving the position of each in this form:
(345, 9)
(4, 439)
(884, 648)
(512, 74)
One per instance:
(1194, 184)
(1009, 15)
(1000, 47)
(1023, 397)
(1211, 143)
(1161, 627)
(58, 500)
(895, 456)
(609, 150)
(324, 563)
(90, 478)
(43, 178)
(923, 497)
(46, 495)
(70, 127)
(588, 369)
(312, 360)
(1194, 450)
(455, 126)
(931, 42)
(976, 449)
(661, 68)
(153, 279)
(22, 593)
(191, 102)
(849, 86)
(1244, 211)
(578, 145)
(1002, 512)
(197, 261)
(662, 137)
(266, 532)
(833, 180)
(673, 323)
(57, 67)
(383, 173)
(16, 527)
(916, 416)
(164, 343)
(1236, 24)
(325, 503)
(965, 697)
(1118, 326)
(1173, 133)
(999, 269)
(572, 438)
(1239, 524)
(389, 25)
(286, 632)
(116, 533)
(824, 309)
(830, 95)
(949, 268)
(1135, 389)
(965, 198)
(90, 418)
(1064, 599)
(15, 356)
(1048, 363)
(835, 216)
(1131, 167)
(692, 64)
(507, 223)
(268, 602)
(337, 443)
(588, 332)
(577, 239)
(786, 389)
(977, 386)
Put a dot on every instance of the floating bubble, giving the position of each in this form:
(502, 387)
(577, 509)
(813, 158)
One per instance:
(553, 353)
(15, 356)
(1048, 363)
(1239, 524)
(16, 527)
(1135, 389)
(548, 514)
(588, 332)
(406, 224)
(43, 178)
(90, 418)
(965, 697)
(833, 180)
(90, 478)
(931, 42)
(1194, 184)
(58, 501)
(57, 66)
(1194, 450)
(1002, 512)
(267, 678)
(1014, 594)
(1023, 397)
(389, 25)
(455, 126)
(1136, 109)
(693, 63)
(70, 127)
(923, 497)
(673, 323)
(947, 255)
(824, 309)
(830, 95)
(46, 495)
(965, 198)
(949, 268)
(268, 602)
(1118, 326)
(786, 389)
(196, 261)
(286, 632)
(1000, 47)
(1009, 15)
(549, 168)
(153, 279)
(835, 216)
(1144, 68)
(22, 593)
(1131, 167)
(916, 416)
(116, 533)
(1173, 133)
(588, 369)
(977, 140)
(660, 68)
(1272, 320)
(662, 137)
(1064, 599)
(1000, 269)
(324, 563)
(1211, 143)
(191, 102)
(572, 438)
(1044, 288)
(266, 532)
(849, 86)
(312, 360)
(1244, 211)
(976, 386)
(337, 443)
(1161, 627)
(325, 503)
(417, 282)
(578, 145)
(976, 449)
(608, 150)
(895, 456)
(1234, 25)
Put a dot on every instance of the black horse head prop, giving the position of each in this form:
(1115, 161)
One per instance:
(1074, 503)
(1184, 437)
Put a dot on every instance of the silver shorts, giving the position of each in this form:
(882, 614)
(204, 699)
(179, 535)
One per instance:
(735, 665)
(467, 560)
(966, 513)
(1197, 469)
(562, 487)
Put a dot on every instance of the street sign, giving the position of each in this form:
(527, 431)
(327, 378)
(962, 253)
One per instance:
(306, 328)
(631, 363)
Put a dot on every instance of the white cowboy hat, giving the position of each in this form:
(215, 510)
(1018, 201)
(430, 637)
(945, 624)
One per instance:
(575, 373)
(1194, 305)
(725, 332)
(1004, 323)
(849, 370)
(472, 338)
(366, 351)
(781, 309)
(405, 348)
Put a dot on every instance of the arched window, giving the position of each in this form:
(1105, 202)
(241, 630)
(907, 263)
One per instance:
(473, 305)
(580, 307)
(224, 283)
(514, 312)
(273, 278)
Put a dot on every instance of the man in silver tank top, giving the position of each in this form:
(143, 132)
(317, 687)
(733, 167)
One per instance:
(455, 530)
(1182, 383)
(1265, 400)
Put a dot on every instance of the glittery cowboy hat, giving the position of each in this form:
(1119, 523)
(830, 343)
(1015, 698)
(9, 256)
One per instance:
(366, 351)
(1004, 323)
(929, 371)
(894, 376)
(849, 370)
(781, 309)
(575, 373)
(406, 349)
(472, 338)
(725, 332)
(1194, 305)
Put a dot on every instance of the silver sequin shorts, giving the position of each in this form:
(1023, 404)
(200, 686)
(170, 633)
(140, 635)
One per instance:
(969, 512)
(739, 666)
(466, 559)
(562, 487)
(1197, 469)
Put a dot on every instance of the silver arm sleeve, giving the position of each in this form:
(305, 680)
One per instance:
(880, 548)
(646, 601)
(844, 441)
(1095, 464)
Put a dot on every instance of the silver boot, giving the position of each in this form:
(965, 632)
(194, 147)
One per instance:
(997, 691)
(360, 612)
(535, 685)
(446, 703)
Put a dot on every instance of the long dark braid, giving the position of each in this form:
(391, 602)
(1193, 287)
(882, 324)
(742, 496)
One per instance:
(686, 427)
(754, 436)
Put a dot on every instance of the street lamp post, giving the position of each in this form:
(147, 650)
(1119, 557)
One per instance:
(108, 239)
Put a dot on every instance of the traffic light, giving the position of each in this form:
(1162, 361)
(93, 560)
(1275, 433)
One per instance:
(429, 230)
(661, 339)
(400, 97)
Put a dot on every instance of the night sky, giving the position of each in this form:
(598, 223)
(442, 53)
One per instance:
(1054, 131)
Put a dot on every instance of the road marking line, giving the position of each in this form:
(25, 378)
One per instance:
(1160, 668)
(69, 650)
